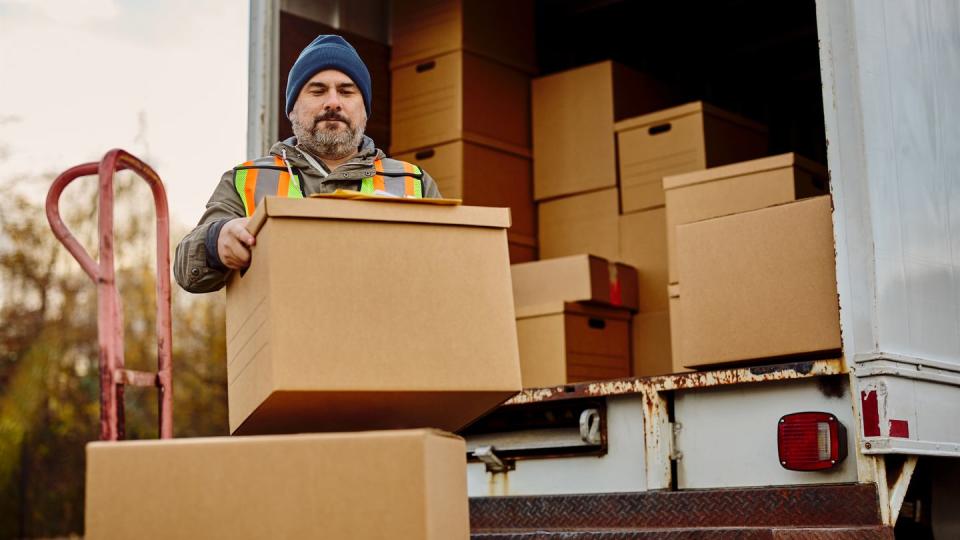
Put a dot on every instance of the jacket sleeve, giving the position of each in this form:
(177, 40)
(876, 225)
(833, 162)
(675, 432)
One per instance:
(195, 269)
(430, 189)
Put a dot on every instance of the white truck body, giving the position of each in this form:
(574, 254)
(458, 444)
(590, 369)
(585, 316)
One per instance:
(890, 72)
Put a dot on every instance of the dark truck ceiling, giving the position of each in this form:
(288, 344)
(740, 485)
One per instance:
(753, 57)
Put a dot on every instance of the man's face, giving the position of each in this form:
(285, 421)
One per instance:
(329, 116)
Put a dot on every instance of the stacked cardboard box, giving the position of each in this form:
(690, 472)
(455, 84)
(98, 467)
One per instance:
(461, 103)
(723, 191)
(685, 138)
(598, 168)
(352, 316)
(573, 319)
(757, 285)
(575, 176)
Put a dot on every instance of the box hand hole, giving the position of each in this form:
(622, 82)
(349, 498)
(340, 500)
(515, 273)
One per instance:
(426, 66)
(658, 129)
(597, 324)
(424, 154)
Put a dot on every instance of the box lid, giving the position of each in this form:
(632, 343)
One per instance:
(100, 446)
(744, 167)
(686, 110)
(399, 210)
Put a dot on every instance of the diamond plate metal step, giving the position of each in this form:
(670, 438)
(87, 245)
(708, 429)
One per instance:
(836, 506)
(724, 533)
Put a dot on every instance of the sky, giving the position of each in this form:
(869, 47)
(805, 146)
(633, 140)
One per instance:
(163, 79)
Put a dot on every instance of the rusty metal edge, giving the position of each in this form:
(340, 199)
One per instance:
(680, 381)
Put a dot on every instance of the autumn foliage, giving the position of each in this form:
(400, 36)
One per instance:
(49, 383)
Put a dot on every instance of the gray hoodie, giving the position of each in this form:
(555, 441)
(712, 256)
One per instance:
(197, 267)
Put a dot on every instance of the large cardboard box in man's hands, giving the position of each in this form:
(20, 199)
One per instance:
(407, 484)
(370, 314)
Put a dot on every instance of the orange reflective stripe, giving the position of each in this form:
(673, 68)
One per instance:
(408, 187)
(251, 189)
(278, 162)
(283, 184)
(409, 169)
(246, 164)
(378, 183)
(378, 165)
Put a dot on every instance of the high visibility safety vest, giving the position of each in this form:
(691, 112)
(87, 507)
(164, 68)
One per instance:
(271, 176)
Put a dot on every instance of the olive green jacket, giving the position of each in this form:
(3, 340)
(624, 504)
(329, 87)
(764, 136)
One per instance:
(197, 267)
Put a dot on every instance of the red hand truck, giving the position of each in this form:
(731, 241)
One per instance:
(113, 375)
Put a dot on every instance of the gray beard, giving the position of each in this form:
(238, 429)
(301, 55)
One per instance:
(329, 144)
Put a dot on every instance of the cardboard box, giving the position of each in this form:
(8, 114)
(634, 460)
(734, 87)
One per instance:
(740, 187)
(643, 245)
(676, 331)
(459, 96)
(568, 342)
(573, 117)
(577, 278)
(482, 176)
(651, 344)
(387, 484)
(586, 223)
(521, 252)
(757, 285)
(426, 28)
(678, 140)
(364, 315)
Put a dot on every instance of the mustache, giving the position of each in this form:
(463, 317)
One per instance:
(328, 116)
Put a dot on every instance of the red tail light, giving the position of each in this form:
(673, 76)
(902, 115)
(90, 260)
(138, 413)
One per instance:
(811, 441)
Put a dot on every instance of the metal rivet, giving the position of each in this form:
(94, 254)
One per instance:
(195, 271)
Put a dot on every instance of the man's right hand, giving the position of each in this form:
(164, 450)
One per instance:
(234, 242)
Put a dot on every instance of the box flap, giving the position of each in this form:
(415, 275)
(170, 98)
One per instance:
(382, 209)
(743, 168)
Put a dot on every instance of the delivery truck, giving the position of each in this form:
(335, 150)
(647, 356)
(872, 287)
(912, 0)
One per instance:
(862, 441)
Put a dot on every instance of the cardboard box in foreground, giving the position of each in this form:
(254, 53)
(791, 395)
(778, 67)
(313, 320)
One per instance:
(757, 285)
(388, 484)
(577, 278)
(368, 315)
(562, 343)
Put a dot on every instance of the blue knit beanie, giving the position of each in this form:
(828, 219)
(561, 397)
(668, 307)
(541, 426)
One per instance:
(328, 52)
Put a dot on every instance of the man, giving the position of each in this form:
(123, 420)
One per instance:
(328, 103)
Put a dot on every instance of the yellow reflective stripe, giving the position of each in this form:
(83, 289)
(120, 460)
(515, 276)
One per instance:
(293, 190)
(240, 183)
(366, 186)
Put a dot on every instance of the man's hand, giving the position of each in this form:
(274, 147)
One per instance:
(234, 242)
